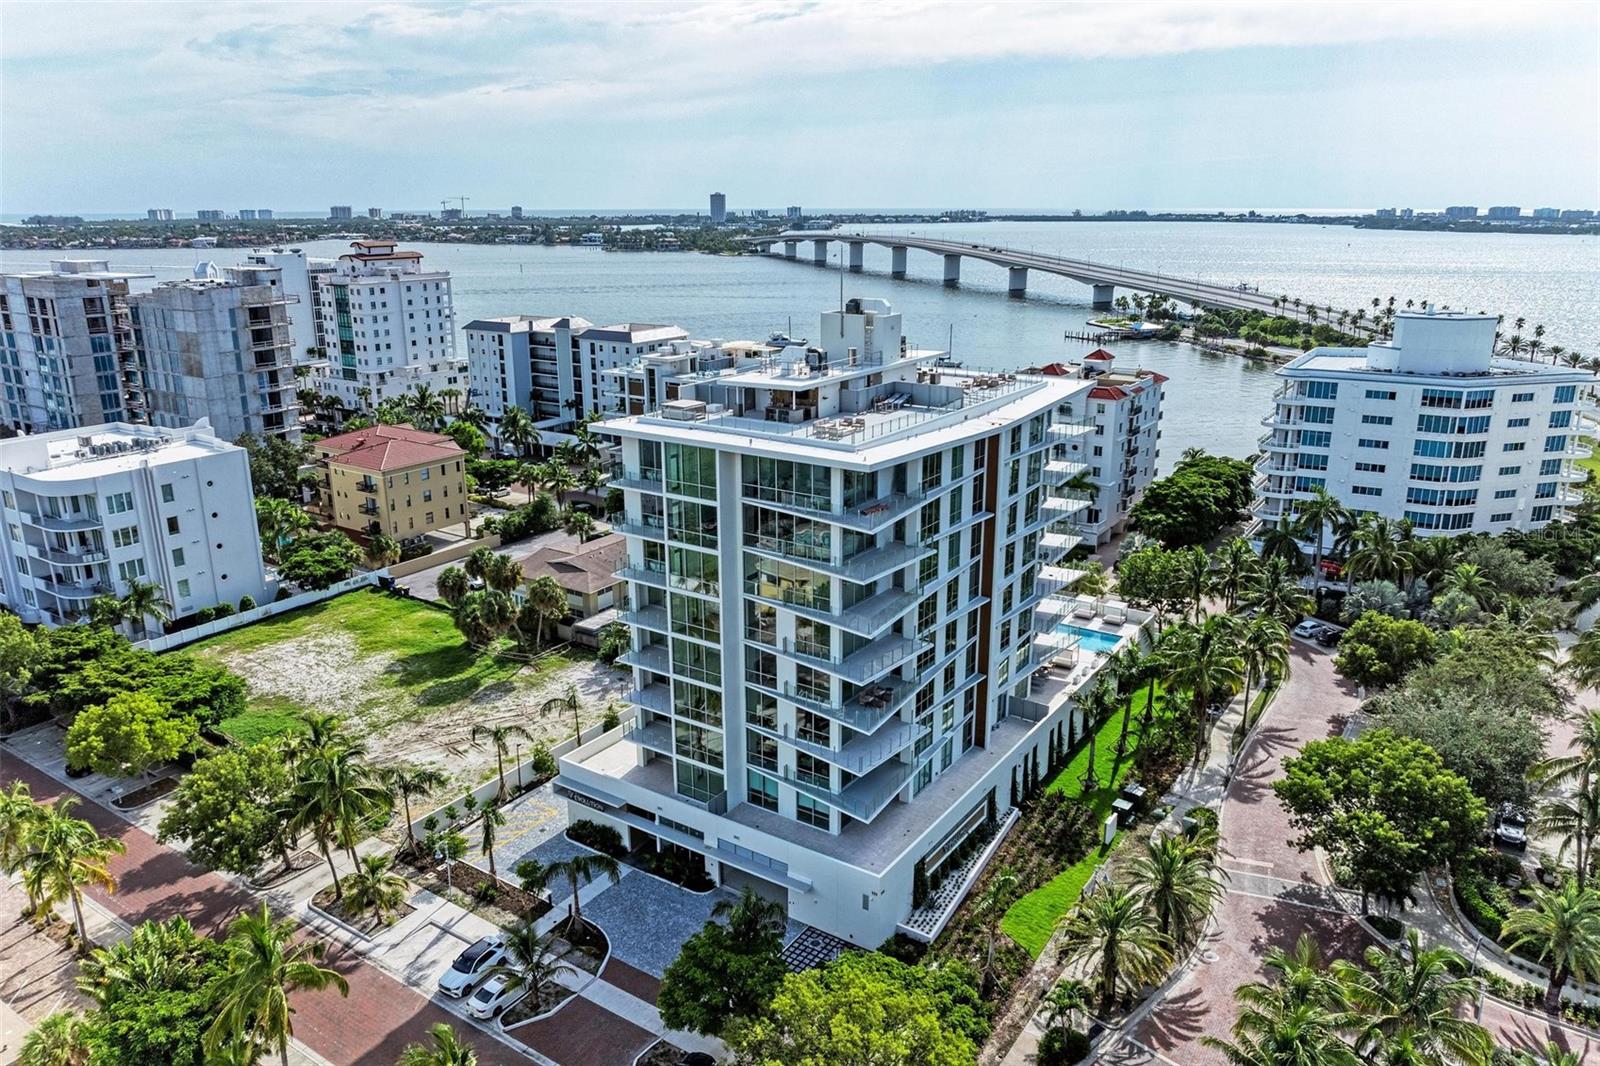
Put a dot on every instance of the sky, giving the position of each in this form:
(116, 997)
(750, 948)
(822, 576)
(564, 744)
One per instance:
(898, 103)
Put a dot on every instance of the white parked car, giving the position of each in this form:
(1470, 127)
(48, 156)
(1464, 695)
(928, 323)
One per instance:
(492, 997)
(471, 965)
(1511, 827)
(1308, 629)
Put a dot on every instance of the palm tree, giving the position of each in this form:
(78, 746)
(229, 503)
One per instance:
(1563, 928)
(408, 782)
(1575, 817)
(1205, 662)
(1279, 542)
(20, 813)
(1414, 998)
(502, 573)
(1113, 935)
(107, 612)
(1470, 580)
(493, 820)
(559, 479)
(144, 599)
(1133, 667)
(265, 962)
(1276, 593)
(382, 550)
(1264, 647)
(579, 870)
(575, 523)
(447, 1050)
(1432, 558)
(1194, 578)
(500, 736)
(484, 616)
(1063, 1002)
(1175, 878)
(335, 792)
(989, 907)
(1232, 570)
(1583, 660)
(1378, 552)
(60, 855)
(1553, 1054)
(375, 887)
(1315, 515)
(62, 1039)
(1296, 1019)
(517, 430)
(1097, 704)
(531, 961)
(278, 521)
(546, 600)
(453, 584)
(750, 916)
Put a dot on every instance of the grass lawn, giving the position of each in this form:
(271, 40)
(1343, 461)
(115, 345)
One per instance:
(1032, 919)
(376, 659)
(1591, 464)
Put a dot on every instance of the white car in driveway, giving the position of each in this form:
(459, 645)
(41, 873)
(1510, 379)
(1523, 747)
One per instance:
(1308, 629)
(493, 996)
(471, 966)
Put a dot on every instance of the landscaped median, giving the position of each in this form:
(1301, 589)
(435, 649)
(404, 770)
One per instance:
(1031, 919)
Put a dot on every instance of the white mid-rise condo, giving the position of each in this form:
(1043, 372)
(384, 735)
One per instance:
(67, 356)
(388, 326)
(1430, 427)
(89, 511)
(848, 643)
(217, 346)
(529, 362)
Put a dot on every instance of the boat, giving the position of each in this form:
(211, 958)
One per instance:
(780, 339)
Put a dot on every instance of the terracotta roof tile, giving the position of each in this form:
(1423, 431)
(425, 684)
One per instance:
(390, 448)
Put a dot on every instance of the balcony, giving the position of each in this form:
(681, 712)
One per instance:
(1060, 431)
(865, 797)
(646, 526)
(643, 481)
(865, 664)
(83, 589)
(645, 575)
(656, 736)
(651, 657)
(646, 618)
(60, 523)
(369, 508)
(867, 518)
(859, 755)
(1060, 471)
(1055, 545)
(656, 697)
(865, 712)
(870, 565)
(74, 557)
(367, 485)
(868, 618)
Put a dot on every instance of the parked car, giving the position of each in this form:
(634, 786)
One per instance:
(471, 965)
(492, 997)
(1511, 827)
(1328, 636)
(1308, 629)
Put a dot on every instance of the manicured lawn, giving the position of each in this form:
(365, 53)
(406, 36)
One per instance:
(1032, 919)
(1591, 464)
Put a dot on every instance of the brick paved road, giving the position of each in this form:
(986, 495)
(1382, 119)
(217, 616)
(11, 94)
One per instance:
(380, 1016)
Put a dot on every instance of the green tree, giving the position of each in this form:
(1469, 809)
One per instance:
(1203, 661)
(1277, 593)
(1562, 928)
(20, 814)
(1178, 878)
(1383, 807)
(144, 601)
(279, 521)
(382, 550)
(453, 585)
(319, 560)
(264, 963)
(1413, 999)
(577, 523)
(1116, 938)
(408, 783)
(1382, 597)
(989, 907)
(230, 809)
(853, 1012)
(1194, 571)
(729, 969)
(335, 793)
(502, 573)
(1295, 1020)
(1577, 773)
(468, 438)
(1377, 650)
(19, 653)
(1149, 578)
(61, 854)
(1491, 744)
(1233, 569)
(492, 821)
(1315, 517)
(517, 430)
(375, 888)
(445, 1049)
(483, 616)
(1379, 551)
(500, 736)
(61, 1039)
(545, 604)
(579, 870)
(127, 735)
(275, 465)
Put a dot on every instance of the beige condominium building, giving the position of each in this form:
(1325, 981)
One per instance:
(392, 479)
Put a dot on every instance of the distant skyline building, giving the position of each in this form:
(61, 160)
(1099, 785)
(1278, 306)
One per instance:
(67, 355)
(1505, 212)
(388, 326)
(339, 213)
(90, 511)
(1574, 214)
(1430, 427)
(1461, 212)
(218, 346)
(516, 212)
(374, 212)
(264, 214)
(1384, 212)
(719, 208)
(247, 214)
(159, 214)
(794, 213)
(1546, 212)
(208, 215)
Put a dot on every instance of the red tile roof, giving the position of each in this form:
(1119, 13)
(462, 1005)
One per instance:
(1100, 355)
(1107, 392)
(1057, 370)
(390, 448)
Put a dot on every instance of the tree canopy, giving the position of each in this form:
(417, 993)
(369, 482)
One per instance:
(230, 808)
(81, 666)
(319, 560)
(726, 970)
(126, 735)
(1201, 495)
(1377, 650)
(275, 465)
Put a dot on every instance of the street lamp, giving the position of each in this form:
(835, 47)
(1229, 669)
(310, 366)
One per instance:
(519, 766)
(449, 864)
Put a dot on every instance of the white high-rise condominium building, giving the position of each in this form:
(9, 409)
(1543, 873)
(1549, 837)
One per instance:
(305, 321)
(387, 325)
(606, 349)
(159, 214)
(837, 561)
(88, 511)
(340, 213)
(529, 362)
(1120, 455)
(217, 346)
(67, 355)
(1429, 427)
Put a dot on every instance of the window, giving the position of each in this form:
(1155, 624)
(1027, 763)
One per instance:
(119, 502)
(1543, 513)
(167, 495)
(1514, 446)
(126, 537)
(1557, 443)
(1315, 438)
(172, 525)
(1478, 399)
(1503, 516)
(1522, 397)
(811, 812)
(1546, 490)
(1365, 490)
(1566, 393)
(1320, 415)
(131, 569)
(1505, 494)
(177, 556)
(1370, 442)
(1560, 419)
(1510, 471)
(183, 588)
(1371, 468)
(1441, 398)
(1516, 423)
(1313, 461)
(1548, 467)
(763, 790)
(1377, 420)
(1380, 394)
(1322, 390)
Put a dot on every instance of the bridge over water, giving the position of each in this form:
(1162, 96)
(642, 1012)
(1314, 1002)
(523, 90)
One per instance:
(1103, 278)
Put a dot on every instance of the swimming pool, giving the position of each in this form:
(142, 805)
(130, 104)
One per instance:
(1092, 640)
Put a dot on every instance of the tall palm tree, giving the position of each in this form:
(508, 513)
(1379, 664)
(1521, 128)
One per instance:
(264, 963)
(1414, 998)
(502, 573)
(578, 524)
(517, 430)
(409, 782)
(335, 792)
(989, 908)
(62, 1039)
(1175, 876)
(1378, 552)
(1115, 937)
(1264, 648)
(1583, 660)
(500, 736)
(484, 616)
(278, 521)
(1097, 704)
(1277, 593)
(446, 1050)
(1582, 769)
(1194, 578)
(531, 961)
(1469, 580)
(1432, 558)
(1316, 515)
(1232, 570)
(61, 854)
(1280, 543)
(493, 819)
(546, 600)
(1205, 662)
(579, 870)
(20, 813)
(1563, 929)
(559, 480)
(1133, 666)
(1295, 1020)
(375, 887)
(1573, 818)
(1063, 1002)
(145, 600)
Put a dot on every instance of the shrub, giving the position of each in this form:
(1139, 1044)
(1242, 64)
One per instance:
(486, 892)
(430, 823)
(903, 949)
(1062, 1047)
(602, 838)
(204, 615)
(451, 844)
(470, 802)
(544, 764)
(611, 719)
(222, 610)
(247, 602)
(451, 814)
